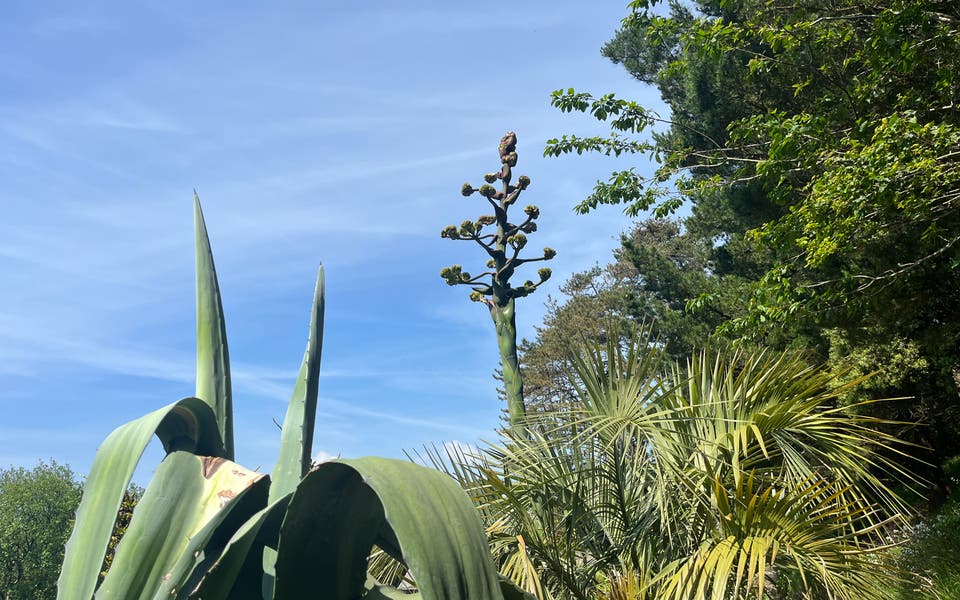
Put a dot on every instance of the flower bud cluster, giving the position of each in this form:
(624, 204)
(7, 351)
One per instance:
(452, 274)
(516, 237)
(517, 240)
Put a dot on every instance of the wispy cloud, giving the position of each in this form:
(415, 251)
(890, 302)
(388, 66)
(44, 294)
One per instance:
(70, 24)
(341, 407)
(119, 119)
(301, 151)
(301, 181)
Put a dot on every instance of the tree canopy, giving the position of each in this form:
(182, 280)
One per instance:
(36, 514)
(816, 148)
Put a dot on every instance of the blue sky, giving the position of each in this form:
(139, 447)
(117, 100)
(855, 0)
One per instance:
(313, 131)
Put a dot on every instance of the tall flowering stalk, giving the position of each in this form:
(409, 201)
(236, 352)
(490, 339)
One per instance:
(503, 245)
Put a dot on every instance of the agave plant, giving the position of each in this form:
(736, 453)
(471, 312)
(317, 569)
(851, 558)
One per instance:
(209, 528)
(733, 477)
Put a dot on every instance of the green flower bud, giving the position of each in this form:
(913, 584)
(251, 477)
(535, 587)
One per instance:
(466, 227)
(491, 264)
(449, 232)
(529, 228)
(544, 273)
(451, 274)
(486, 219)
(467, 189)
(517, 240)
(532, 211)
(509, 158)
(523, 182)
(549, 253)
(476, 296)
(487, 191)
(465, 276)
(490, 177)
(528, 284)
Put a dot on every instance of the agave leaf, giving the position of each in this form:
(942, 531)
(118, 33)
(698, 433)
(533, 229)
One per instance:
(512, 591)
(343, 507)
(385, 592)
(331, 524)
(296, 444)
(186, 502)
(213, 359)
(236, 574)
(188, 424)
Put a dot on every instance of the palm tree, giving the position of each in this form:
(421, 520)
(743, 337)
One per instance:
(735, 476)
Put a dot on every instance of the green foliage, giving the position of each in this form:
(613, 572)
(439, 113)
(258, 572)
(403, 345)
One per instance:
(816, 146)
(932, 557)
(728, 478)
(206, 527)
(492, 287)
(596, 306)
(130, 499)
(36, 513)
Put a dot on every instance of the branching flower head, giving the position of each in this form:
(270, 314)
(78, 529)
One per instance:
(451, 274)
(503, 246)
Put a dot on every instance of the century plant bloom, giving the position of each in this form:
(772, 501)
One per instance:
(502, 245)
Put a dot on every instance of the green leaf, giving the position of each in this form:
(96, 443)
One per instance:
(296, 445)
(213, 359)
(419, 515)
(512, 591)
(327, 534)
(187, 500)
(237, 572)
(188, 424)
